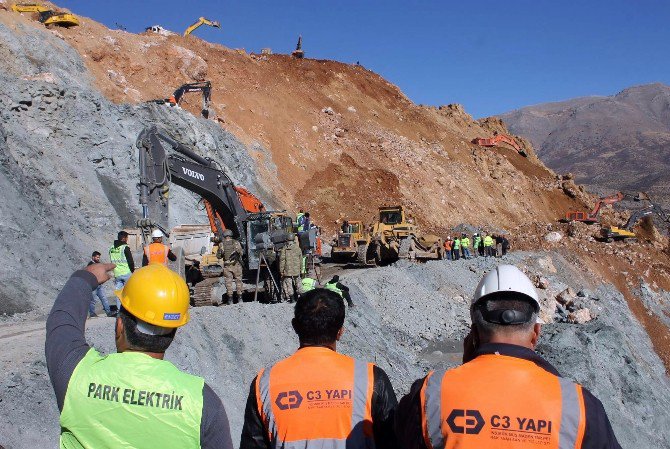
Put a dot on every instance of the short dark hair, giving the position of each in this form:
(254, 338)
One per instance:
(96, 253)
(319, 316)
(121, 235)
(504, 302)
(306, 214)
(139, 341)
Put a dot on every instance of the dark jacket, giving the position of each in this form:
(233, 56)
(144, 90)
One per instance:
(66, 346)
(384, 402)
(127, 253)
(597, 435)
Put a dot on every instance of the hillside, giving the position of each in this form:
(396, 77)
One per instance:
(612, 143)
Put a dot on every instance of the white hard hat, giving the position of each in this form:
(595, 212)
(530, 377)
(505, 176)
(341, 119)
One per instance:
(506, 278)
(157, 234)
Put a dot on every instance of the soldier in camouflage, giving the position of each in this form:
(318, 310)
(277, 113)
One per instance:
(230, 252)
(290, 266)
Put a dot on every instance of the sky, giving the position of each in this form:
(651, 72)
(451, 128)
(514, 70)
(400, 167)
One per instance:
(490, 56)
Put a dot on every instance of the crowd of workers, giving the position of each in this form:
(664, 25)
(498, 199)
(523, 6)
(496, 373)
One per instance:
(480, 245)
(503, 395)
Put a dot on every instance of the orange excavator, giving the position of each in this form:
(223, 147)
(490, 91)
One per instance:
(592, 217)
(499, 138)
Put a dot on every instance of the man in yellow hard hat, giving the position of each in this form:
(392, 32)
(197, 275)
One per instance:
(132, 398)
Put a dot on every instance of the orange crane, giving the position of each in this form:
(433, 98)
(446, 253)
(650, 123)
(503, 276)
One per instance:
(498, 138)
(592, 217)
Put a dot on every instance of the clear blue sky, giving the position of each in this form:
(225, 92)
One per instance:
(491, 56)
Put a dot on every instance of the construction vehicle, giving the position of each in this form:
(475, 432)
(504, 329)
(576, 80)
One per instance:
(298, 53)
(261, 233)
(395, 237)
(351, 244)
(500, 138)
(198, 23)
(203, 86)
(611, 233)
(47, 16)
(592, 217)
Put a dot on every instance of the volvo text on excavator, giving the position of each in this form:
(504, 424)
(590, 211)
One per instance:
(500, 138)
(203, 86)
(261, 233)
(198, 23)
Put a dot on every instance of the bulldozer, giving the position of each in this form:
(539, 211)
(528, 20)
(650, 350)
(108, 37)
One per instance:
(394, 237)
(351, 244)
(47, 16)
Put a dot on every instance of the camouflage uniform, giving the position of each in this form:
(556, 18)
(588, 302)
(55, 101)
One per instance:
(290, 266)
(230, 252)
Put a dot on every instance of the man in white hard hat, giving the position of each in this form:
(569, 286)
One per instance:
(157, 251)
(504, 395)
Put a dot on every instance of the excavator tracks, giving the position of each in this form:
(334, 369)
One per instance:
(201, 294)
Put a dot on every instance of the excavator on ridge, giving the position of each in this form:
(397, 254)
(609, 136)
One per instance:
(47, 16)
(500, 138)
(203, 86)
(198, 23)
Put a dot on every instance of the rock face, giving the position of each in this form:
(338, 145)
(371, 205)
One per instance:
(612, 143)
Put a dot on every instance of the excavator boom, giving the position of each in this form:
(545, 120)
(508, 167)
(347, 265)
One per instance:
(495, 140)
(198, 23)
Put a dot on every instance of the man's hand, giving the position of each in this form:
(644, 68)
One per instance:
(101, 271)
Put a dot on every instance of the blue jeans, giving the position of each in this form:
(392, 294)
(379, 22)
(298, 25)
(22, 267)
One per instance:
(100, 293)
(119, 282)
(466, 253)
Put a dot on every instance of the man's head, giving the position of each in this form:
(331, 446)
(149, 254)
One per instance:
(336, 278)
(157, 236)
(505, 308)
(122, 236)
(154, 303)
(306, 214)
(319, 317)
(95, 257)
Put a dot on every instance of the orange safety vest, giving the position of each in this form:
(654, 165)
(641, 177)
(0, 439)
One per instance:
(317, 398)
(497, 401)
(157, 253)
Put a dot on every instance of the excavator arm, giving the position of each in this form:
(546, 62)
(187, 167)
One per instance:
(201, 21)
(498, 138)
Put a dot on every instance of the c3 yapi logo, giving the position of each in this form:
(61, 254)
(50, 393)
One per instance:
(288, 400)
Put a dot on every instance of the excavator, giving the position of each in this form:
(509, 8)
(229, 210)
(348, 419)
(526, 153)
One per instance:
(261, 233)
(611, 233)
(198, 23)
(203, 86)
(47, 16)
(500, 138)
(592, 217)
(298, 53)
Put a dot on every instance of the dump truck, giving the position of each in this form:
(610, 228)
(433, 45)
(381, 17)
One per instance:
(395, 237)
(351, 244)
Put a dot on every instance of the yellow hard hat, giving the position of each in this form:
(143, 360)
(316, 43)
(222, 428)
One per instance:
(157, 295)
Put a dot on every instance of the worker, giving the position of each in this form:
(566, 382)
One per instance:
(498, 242)
(306, 222)
(308, 284)
(121, 256)
(299, 218)
(476, 244)
(132, 398)
(504, 394)
(98, 293)
(448, 243)
(290, 267)
(465, 245)
(157, 251)
(338, 287)
(318, 398)
(505, 245)
(230, 252)
(456, 249)
(488, 246)
(345, 227)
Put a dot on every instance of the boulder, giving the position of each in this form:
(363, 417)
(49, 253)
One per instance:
(553, 237)
(566, 297)
(581, 316)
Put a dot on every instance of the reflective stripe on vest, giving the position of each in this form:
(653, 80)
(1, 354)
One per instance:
(117, 255)
(130, 399)
(308, 284)
(157, 253)
(305, 401)
(332, 286)
(501, 402)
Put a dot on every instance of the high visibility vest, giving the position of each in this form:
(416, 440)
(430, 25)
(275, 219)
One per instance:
(332, 286)
(457, 244)
(497, 401)
(299, 220)
(488, 241)
(308, 284)
(117, 256)
(477, 241)
(130, 399)
(465, 242)
(317, 398)
(157, 253)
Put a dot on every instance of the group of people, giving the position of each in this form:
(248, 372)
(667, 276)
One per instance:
(503, 395)
(483, 245)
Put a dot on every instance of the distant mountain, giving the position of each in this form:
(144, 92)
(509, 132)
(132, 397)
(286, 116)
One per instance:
(612, 143)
